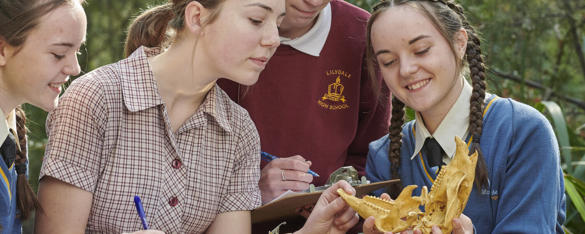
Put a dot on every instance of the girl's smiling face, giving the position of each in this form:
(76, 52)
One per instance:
(35, 71)
(416, 61)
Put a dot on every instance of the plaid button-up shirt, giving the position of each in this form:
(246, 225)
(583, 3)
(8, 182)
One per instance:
(111, 136)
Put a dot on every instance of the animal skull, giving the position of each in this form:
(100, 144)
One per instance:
(446, 200)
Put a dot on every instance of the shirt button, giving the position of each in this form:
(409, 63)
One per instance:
(174, 201)
(176, 164)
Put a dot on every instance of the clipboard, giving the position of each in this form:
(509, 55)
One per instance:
(287, 205)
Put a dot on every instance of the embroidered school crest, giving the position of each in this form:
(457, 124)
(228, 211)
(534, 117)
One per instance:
(333, 98)
(335, 92)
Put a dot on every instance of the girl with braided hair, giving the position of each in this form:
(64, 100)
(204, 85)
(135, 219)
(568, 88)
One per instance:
(425, 50)
(39, 42)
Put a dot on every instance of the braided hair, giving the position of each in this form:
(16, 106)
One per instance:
(26, 199)
(448, 17)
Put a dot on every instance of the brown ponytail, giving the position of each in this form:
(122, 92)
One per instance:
(25, 197)
(151, 26)
(448, 17)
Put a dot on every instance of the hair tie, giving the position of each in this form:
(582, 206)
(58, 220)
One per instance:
(20, 168)
(476, 138)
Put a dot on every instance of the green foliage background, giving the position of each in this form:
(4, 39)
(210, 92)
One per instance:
(531, 40)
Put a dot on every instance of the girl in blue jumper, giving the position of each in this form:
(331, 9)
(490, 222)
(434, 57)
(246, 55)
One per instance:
(39, 41)
(424, 50)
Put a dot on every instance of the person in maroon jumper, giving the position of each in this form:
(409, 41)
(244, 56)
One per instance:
(313, 104)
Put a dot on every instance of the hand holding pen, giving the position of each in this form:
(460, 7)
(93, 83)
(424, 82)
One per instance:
(284, 173)
(269, 157)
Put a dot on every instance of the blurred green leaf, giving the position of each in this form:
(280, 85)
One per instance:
(560, 127)
(576, 191)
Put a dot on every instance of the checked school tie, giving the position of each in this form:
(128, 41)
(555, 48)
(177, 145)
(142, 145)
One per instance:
(8, 150)
(433, 151)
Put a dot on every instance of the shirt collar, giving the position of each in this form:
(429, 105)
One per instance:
(9, 124)
(455, 123)
(215, 105)
(139, 87)
(140, 90)
(4, 126)
(312, 42)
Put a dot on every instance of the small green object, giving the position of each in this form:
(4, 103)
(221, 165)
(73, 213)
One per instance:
(347, 173)
(312, 188)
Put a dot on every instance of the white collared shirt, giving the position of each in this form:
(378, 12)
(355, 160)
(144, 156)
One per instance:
(312, 42)
(3, 126)
(8, 123)
(455, 123)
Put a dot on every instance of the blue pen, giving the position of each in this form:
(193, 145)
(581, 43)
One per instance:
(269, 157)
(140, 211)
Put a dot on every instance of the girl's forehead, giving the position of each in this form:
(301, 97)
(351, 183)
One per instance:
(65, 23)
(399, 15)
(401, 21)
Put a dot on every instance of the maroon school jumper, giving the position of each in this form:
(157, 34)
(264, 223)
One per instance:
(322, 108)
